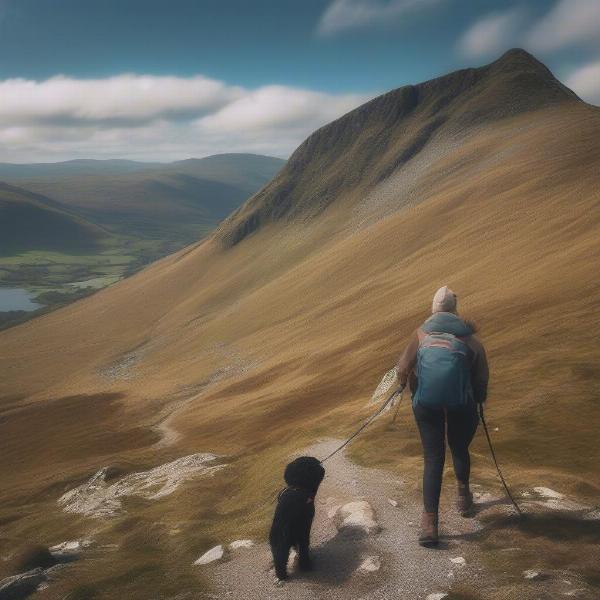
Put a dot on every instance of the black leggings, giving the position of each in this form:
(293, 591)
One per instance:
(462, 425)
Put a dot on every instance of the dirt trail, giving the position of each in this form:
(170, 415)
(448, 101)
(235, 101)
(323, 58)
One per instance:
(407, 570)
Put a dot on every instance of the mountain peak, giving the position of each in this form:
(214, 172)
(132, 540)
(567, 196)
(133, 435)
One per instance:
(356, 152)
(518, 55)
(519, 60)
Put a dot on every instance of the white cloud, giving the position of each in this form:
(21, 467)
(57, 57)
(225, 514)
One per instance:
(157, 118)
(569, 22)
(124, 97)
(350, 14)
(493, 33)
(280, 106)
(585, 82)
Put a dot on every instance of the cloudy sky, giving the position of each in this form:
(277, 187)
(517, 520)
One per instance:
(170, 79)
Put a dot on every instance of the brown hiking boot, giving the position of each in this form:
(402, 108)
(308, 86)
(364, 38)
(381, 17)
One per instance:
(464, 499)
(429, 530)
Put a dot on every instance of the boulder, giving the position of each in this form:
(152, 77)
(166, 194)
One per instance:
(211, 555)
(20, 586)
(459, 560)
(356, 515)
(437, 596)
(102, 495)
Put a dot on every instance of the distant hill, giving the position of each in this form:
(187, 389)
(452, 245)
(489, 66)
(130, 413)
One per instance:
(30, 221)
(177, 201)
(82, 166)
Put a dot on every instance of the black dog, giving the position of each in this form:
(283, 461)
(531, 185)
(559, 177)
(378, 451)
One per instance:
(294, 513)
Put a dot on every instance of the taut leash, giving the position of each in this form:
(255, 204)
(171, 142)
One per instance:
(398, 392)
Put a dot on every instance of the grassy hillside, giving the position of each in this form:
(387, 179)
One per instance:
(275, 331)
(32, 222)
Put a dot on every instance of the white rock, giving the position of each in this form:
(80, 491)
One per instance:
(393, 502)
(71, 548)
(370, 564)
(459, 560)
(357, 515)
(100, 498)
(548, 493)
(531, 574)
(437, 596)
(211, 555)
(235, 545)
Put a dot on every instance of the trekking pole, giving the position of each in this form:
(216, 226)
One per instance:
(489, 439)
(398, 407)
(366, 423)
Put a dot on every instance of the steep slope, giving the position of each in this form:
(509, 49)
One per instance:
(383, 135)
(275, 331)
(31, 221)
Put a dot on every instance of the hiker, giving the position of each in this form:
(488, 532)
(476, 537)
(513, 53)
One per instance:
(447, 372)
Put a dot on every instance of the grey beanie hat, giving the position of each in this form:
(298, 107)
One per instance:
(444, 300)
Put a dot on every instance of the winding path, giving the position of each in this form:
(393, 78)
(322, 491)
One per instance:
(407, 570)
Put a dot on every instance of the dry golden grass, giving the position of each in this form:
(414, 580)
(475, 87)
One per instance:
(316, 310)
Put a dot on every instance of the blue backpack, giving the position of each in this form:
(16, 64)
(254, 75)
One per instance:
(443, 371)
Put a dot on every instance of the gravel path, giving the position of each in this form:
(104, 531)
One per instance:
(407, 570)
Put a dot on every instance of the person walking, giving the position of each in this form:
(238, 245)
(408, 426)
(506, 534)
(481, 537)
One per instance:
(446, 368)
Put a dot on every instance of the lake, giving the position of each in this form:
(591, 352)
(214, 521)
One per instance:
(16, 299)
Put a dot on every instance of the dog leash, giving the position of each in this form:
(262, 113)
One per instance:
(489, 439)
(398, 392)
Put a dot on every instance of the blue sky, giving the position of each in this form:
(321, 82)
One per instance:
(162, 80)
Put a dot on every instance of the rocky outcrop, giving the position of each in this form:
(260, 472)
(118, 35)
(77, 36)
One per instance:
(211, 555)
(357, 515)
(100, 497)
(68, 551)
